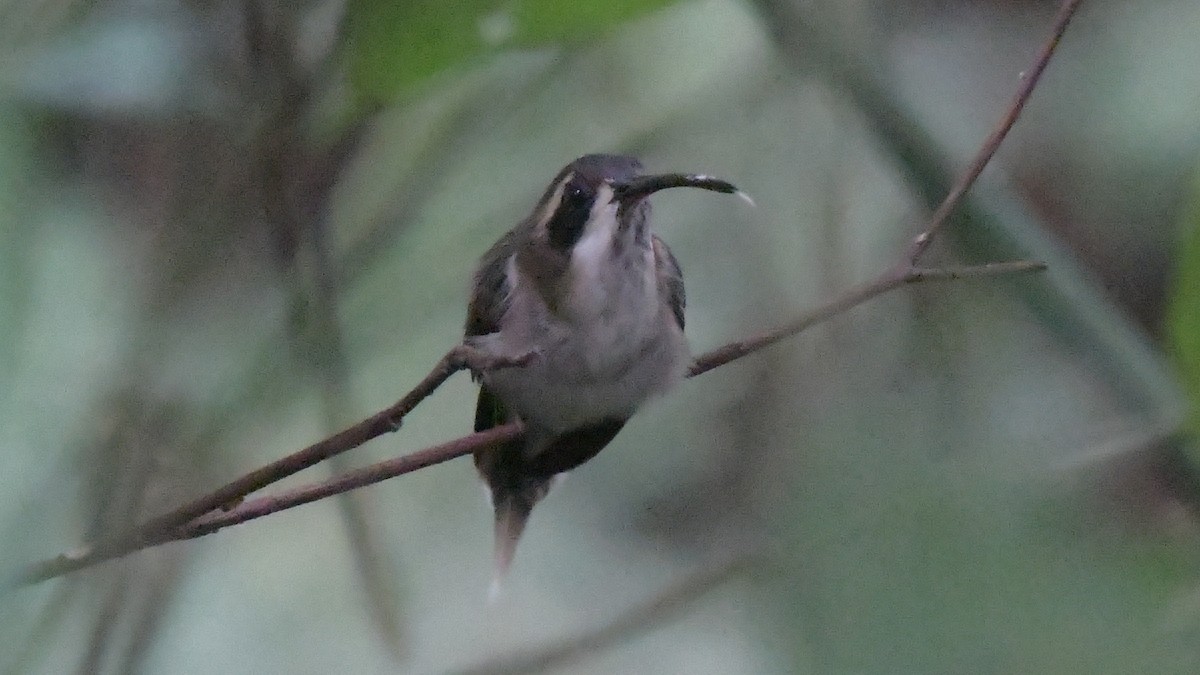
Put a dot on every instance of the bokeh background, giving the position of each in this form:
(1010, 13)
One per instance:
(230, 227)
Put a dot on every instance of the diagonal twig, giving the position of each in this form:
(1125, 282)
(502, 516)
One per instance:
(1029, 81)
(253, 509)
(158, 529)
(196, 518)
(852, 298)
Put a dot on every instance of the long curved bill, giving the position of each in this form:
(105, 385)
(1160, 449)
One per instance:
(644, 186)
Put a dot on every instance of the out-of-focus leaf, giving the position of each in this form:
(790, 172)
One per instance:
(121, 65)
(537, 22)
(16, 191)
(1183, 317)
(394, 46)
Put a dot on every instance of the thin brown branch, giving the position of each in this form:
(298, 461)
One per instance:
(852, 298)
(264, 506)
(160, 528)
(1029, 81)
(201, 520)
(368, 475)
(196, 518)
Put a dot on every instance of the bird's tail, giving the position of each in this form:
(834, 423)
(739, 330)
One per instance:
(512, 512)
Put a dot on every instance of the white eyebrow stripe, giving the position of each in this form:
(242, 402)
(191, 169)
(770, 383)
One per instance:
(553, 203)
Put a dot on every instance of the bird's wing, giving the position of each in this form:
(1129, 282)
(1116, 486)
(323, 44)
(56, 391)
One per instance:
(670, 279)
(489, 300)
(489, 293)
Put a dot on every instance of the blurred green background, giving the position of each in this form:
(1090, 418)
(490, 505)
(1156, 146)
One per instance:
(229, 228)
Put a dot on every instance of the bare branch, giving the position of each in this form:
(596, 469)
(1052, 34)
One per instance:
(380, 471)
(1029, 81)
(368, 475)
(162, 528)
(200, 520)
(263, 506)
(852, 298)
(196, 518)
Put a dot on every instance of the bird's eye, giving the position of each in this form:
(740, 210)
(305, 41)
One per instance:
(567, 225)
(576, 192)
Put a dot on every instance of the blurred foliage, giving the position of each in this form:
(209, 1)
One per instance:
(15, 193)
(199, 274)
(1184, 304)
(394, 46)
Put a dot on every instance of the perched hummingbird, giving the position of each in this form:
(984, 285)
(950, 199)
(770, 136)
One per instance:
(584, 285)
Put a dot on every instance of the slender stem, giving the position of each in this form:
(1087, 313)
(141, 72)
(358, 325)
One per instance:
(163, 527)
(852, 298)
(210, 520)
(190, 520)
(351, 480)
(1029, 81)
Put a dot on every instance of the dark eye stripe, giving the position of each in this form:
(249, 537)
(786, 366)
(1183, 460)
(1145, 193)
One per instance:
(566, 226)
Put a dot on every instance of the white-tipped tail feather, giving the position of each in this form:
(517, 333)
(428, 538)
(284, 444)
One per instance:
(512, 512)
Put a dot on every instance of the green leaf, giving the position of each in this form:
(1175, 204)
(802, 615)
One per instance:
(539, 22)
(395, 46)
(1183, 309)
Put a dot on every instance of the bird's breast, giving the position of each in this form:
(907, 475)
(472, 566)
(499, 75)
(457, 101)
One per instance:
(611, 344)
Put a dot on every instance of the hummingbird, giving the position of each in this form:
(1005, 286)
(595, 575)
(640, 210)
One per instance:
(598, 299)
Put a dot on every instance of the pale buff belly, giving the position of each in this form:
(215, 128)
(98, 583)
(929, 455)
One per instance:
(585, 376)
